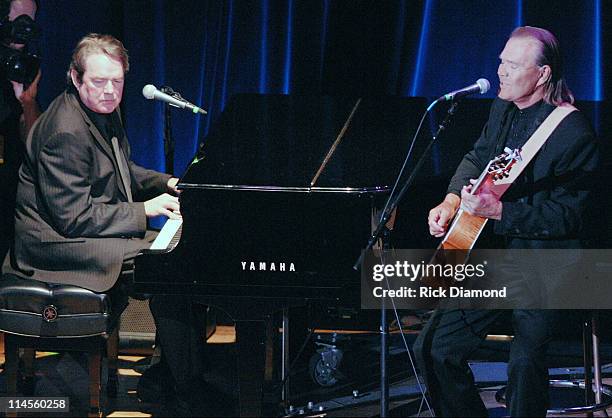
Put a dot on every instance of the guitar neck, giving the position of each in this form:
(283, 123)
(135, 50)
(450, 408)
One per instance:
(481, 179)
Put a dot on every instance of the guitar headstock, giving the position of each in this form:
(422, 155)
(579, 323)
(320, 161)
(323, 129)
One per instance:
(500, 167)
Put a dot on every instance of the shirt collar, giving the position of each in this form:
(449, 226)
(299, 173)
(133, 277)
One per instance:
(530, 111)
(104, 122)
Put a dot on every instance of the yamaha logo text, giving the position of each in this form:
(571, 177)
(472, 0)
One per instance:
(267, 266)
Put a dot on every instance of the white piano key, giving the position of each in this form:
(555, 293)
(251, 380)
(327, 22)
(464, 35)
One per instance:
(166, 234)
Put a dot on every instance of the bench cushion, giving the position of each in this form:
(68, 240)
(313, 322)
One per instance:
(34, 308)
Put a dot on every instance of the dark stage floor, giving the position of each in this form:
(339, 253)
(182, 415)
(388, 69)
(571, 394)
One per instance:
(66, 375)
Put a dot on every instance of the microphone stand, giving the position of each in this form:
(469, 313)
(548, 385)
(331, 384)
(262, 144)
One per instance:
(384, 336)
(381, 232)
(391, 205)
(168, 138)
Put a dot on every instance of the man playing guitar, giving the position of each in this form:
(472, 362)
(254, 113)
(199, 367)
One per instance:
(542, 209)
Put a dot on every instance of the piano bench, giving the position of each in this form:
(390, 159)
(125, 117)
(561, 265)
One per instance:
(39, 316)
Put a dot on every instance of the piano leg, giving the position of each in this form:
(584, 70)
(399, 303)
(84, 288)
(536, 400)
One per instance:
(285, 357)
(250, 343)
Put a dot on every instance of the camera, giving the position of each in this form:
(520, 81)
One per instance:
(19, 65)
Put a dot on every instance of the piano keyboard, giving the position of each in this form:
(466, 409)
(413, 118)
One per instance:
(169, 236)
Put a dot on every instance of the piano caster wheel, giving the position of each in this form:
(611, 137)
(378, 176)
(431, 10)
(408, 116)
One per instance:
(323, 366)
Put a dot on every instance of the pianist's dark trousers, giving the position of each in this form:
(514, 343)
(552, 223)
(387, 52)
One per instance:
(180, 333)
(179, 325)
(449, 339)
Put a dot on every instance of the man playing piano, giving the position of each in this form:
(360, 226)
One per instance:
(82, 205)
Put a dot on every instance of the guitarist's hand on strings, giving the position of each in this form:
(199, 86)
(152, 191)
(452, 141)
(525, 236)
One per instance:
(483, 203)
(440, 215)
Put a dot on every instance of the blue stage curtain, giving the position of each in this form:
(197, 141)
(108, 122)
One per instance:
(210, 50)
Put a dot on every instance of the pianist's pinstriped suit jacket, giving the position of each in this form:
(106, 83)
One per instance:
(73, 222)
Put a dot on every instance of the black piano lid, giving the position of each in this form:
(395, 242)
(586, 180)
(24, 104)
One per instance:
(278, 142)
(247, 201)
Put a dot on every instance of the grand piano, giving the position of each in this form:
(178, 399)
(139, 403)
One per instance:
(258, 235)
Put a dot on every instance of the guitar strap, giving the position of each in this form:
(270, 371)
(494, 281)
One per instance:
(539, 138)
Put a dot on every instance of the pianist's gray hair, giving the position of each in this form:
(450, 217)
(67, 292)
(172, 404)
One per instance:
(95, 43)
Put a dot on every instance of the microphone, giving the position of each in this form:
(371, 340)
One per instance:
(481, 86)
(150, 92)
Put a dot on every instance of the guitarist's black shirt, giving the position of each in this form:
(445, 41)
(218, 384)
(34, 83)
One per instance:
(545, 206)
(520, 127)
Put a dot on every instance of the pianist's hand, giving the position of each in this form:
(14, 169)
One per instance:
(164, 204)
(172, 186)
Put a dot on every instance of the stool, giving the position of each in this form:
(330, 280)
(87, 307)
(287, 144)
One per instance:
(53, 317)
(597, 396)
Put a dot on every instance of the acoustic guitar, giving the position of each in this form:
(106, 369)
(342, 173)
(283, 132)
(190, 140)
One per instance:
(497, 177)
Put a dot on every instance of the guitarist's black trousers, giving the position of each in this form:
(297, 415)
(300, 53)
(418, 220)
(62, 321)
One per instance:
(450, 338)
